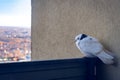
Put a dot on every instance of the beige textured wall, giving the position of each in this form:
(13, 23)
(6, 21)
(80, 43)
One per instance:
(55, 23)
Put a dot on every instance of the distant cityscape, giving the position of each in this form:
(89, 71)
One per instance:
(15, 44)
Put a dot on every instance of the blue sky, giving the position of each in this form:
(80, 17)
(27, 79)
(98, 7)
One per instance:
(15, 13)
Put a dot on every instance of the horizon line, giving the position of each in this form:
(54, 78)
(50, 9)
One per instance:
(17, 26)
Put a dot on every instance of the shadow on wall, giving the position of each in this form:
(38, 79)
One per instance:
(110, 38)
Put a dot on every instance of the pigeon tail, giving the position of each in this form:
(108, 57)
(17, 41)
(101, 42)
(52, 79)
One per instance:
(105, 58)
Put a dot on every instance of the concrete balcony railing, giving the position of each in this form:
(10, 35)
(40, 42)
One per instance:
(65, 69)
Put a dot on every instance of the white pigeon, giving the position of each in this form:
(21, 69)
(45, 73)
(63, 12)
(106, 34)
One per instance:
(91, 47)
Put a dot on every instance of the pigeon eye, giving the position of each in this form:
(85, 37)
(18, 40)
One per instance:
(78, 38)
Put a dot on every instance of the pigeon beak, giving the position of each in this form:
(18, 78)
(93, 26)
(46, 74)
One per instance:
(75, 40)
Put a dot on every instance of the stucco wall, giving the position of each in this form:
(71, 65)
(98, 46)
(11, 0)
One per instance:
(55, 23)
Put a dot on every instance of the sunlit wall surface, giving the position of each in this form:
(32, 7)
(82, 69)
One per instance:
(15, 30)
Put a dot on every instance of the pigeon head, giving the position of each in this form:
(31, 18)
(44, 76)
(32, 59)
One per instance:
(80, 37)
